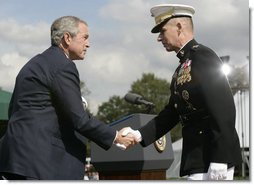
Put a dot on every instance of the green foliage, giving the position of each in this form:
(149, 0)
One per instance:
(239, 78)
(112, 110)
(153, 89)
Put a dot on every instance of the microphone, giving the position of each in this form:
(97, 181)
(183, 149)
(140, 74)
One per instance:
(137, 99)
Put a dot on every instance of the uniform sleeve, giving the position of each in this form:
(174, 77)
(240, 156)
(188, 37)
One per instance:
(219, 102)
(67, 97)
(160, 125)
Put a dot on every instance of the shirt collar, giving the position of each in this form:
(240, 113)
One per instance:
(183, 52)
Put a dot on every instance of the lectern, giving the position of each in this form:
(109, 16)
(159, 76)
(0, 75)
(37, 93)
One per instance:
(137, 162)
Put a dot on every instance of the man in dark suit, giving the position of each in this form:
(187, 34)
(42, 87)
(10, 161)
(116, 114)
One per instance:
(200, 99)
(46, 111)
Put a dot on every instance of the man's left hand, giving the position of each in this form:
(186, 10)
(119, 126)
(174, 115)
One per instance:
(217, 171)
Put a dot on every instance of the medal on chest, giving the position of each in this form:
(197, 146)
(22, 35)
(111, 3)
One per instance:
(184, 73)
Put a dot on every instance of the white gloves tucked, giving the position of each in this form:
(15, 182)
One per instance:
(84, 102)
(127, 131)
(136, 134)
(217, 171)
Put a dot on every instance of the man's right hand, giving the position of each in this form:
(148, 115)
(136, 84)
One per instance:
(135, 133)
(124, 140)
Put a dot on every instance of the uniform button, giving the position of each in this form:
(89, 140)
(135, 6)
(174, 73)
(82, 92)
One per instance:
(175, 105)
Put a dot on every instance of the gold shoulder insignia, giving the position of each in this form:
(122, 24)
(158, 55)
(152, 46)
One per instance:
(182, 53)
(195, 46)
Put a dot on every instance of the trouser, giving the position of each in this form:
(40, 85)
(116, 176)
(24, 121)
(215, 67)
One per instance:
(12, 176)
(204, 176)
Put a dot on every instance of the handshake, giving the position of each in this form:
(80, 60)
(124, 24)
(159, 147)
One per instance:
(127, 137)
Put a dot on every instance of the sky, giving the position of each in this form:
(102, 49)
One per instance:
(122, 46)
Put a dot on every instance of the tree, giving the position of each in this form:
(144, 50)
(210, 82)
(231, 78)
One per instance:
(113, 110)
(239, 78)
(153, 89)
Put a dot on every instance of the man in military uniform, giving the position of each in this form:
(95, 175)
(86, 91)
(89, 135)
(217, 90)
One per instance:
(201, 100)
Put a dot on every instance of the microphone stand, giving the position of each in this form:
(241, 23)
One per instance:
(150, 109)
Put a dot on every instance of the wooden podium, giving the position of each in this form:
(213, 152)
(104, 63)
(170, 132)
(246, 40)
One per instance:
(133, 175)
(136, 163)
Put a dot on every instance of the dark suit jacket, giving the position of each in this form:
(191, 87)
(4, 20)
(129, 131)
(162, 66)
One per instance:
(201, 97)
(45, 111)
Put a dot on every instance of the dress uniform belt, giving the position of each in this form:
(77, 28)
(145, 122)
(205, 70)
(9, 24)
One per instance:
(194, 116)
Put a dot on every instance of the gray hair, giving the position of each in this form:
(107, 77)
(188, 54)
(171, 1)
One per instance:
(187, 22)
(62, 25)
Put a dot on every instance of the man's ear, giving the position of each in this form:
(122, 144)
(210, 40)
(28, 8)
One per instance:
(179, 27)
(67, 38)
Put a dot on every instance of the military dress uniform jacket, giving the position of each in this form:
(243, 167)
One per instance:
(202, 101)
(45, 111)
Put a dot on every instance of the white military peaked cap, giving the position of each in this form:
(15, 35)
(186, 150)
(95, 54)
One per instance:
(163, 12)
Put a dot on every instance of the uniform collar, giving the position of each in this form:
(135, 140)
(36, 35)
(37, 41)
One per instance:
(184, 51)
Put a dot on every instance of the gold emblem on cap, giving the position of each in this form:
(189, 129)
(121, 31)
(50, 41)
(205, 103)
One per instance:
(160, 18)
(160, 144)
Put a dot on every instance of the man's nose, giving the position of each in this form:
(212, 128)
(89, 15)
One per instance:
(159, 39)
(87, 44)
